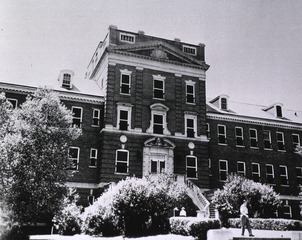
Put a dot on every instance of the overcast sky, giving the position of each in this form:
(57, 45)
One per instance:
(254, 47)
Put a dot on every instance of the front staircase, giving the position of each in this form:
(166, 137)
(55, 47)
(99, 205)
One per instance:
(198, 197)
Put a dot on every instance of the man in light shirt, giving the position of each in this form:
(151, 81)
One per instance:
(244, 215)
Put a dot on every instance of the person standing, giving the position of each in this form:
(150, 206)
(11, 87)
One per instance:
(245, 222)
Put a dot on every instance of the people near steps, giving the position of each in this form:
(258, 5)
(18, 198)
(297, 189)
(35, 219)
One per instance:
(245, 222)
(183, 212)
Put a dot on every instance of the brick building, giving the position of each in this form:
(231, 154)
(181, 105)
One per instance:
(143, 109)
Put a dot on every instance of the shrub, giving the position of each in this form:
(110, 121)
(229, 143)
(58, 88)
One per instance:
(180, 225)
(193, 226)
(199, 228)
(263, 200)
(269, 223)
(68, 221)
(99, 220)
(14, 233)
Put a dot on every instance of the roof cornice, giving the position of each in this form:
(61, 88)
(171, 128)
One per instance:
(257, 121)
(71, 96)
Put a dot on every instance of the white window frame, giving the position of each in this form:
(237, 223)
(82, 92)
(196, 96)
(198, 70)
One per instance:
(284, 175)
(295, 144)
(270, 174)
(77, 159)
(98, 118)
(192, 84)
(80, 118)
(126, 108)
(299, 176)
(223, 105)
(256, 173)
(223, 170)
(162, 79)
(189, 50)
(11, 100)
(126, 37)
(118, 161)
(126, 73)
(243, 173)
(286, 205)
(93, 157)
(253, 138)
(221, 134)
(66, 82)
(159, 109)
(191, 167)
(194, 118)
(278, 141)
(270, 140)
(239, 136)
(208, 131)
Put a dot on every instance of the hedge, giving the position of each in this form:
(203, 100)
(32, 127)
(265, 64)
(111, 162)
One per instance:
(269, 223)
(193, 226)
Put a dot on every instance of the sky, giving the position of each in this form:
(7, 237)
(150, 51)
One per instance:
(254, 48)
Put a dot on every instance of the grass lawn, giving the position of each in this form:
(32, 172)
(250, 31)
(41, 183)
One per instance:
(85, 237)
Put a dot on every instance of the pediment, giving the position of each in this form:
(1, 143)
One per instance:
(159, 142)
(158, 50)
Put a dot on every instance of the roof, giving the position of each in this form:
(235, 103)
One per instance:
(255, 111)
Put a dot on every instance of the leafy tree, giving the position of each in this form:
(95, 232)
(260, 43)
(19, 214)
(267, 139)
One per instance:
(34, 142)
(138, 206)
(263, 200)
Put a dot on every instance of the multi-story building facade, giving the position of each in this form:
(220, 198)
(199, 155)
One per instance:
(142, 108)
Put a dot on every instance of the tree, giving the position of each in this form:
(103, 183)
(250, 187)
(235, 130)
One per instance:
(34, 141)
(263, 200)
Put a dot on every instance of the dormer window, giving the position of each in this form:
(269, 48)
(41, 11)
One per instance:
(125, 37)
(224, 104)
(190, 50)
(279, 111)
(66, 79)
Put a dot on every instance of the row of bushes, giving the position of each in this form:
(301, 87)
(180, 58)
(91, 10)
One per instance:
(269, 224)
(193, 226)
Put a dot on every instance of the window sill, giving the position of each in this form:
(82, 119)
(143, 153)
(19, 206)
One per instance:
(281, 150)
(125, 94)
(240, 146)
(194, 104)
(95, 125)
(92, 166)
(124, 174)
(223, 144)
(161, 99)
(284, 185)
(268, 149)
(254, 147)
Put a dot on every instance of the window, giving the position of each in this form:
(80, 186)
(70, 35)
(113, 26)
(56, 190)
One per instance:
(91, 197)
(283, 175)
(77, 116)
(221, 134)
(188, 49)
(223, 170)
(239, 136)
(191, 166)
(158, 87)
(267, 142)
(224, 104)
(125, 81)
(253, 138)
(96, 113)
(158, 164)
(241, 168)
(190, 92)
(287, 210)
(66, 80)
(296, 140)
(208, 130)
(190, 125)
(158, 122)
(124, 116)
(73, 155)
(210, 167)
(13, 101)
(279, 111)
(93, 157)
(270, 176)
(122, 161)
(299, 175)
(125, 37)
(256, 172)
(280, 141)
